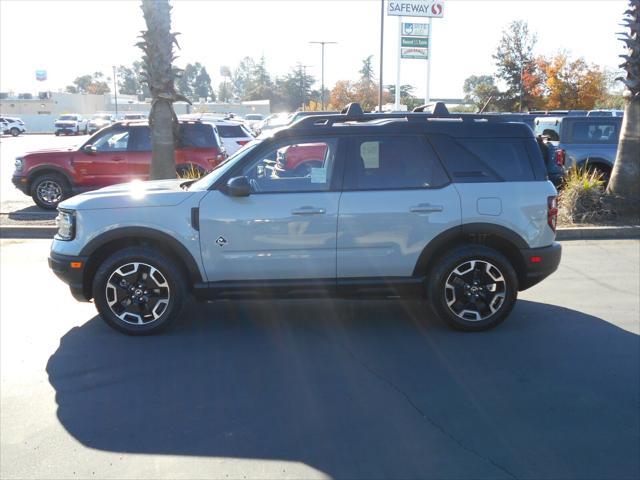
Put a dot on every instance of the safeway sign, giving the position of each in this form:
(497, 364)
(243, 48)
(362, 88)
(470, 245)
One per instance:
(416, 8)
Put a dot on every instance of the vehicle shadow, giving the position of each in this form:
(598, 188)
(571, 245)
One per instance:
(32, 213)
(362, 389)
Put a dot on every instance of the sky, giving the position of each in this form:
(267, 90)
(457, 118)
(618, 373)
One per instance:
(73, 38)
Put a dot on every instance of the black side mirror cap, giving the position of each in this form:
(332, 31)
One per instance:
(238, 187)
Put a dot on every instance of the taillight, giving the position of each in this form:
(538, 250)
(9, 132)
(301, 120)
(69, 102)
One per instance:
(560, 157)
(242, 142)
(552, 212)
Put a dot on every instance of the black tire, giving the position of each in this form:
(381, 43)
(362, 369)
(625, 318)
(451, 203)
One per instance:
(471, 292)
(122, 298)
(78, 130)
(14, 132)
(57, 134)
(49, 189)
(86, 129)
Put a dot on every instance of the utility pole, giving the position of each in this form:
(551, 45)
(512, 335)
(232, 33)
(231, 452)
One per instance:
(115, 89)
(302, 81)
(381, 53)
(322, 88)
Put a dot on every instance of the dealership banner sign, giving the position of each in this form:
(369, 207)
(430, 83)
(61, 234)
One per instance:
(416, 8)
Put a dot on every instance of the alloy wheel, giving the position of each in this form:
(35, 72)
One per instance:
(137, 293)
(49, 192)
(475, 290)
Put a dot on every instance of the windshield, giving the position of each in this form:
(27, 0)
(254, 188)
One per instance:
(205, 182)
(68, 117)
(102, 117)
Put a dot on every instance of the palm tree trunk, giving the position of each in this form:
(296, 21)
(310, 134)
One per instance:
(161, 122)
(625, 178)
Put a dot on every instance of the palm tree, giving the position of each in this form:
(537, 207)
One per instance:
(157, 45)
(625, 178)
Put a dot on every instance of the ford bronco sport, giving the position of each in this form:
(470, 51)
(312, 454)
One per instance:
(451, 209)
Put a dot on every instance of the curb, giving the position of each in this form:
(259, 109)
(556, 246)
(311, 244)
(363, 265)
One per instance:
(28, 231)
(598, 233)
(572, 233)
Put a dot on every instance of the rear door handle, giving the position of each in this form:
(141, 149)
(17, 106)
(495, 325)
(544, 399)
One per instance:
(117, 159)
(308, 211)
(425, 208)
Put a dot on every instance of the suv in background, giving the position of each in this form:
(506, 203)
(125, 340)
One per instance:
(73, 124)
(99, 121)
(12, 126)
(234, 135)
(585, 142)
(116, 154)
(459, 212)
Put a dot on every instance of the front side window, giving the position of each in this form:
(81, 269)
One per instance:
(393, 162)
(294, 167)
(112, 141)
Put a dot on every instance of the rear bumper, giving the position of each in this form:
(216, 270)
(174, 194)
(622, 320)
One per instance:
(539, 264)
(61, 266)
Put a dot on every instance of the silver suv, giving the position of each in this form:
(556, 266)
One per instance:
(455, 210)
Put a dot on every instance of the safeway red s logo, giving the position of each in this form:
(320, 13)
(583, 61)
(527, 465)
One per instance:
(436, 8)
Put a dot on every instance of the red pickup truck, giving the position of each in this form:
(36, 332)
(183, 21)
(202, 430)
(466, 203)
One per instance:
(116, 154)
(298, 160)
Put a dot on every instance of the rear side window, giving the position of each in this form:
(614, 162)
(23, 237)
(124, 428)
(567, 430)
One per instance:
(601, 131)
(197, 135)
(474, 160)
(141, 139)
(231, 131)
(393, 163)
(506, 156)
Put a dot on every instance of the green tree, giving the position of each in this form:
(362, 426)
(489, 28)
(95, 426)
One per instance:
(143, 86)
(202, 85)
(294, 89)
(242, 78)
(127, 81)
(157, 45)
(625, 178)
(480, 89)
(224, 92)
(95, 83)
(514, 61)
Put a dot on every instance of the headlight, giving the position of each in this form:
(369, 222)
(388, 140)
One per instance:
(66, 223)
(19, 163)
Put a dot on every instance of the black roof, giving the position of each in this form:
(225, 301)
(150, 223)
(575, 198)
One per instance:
(436, 119)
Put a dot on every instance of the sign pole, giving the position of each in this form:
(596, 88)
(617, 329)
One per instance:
(427, 97)
(397, 105)
(380, 93)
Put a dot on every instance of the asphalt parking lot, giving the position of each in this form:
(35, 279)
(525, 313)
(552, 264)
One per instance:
(12, 199)
(326, 388)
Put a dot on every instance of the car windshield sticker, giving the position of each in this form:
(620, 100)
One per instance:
(319, 175)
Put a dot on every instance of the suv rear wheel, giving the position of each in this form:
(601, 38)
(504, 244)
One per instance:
(138, 291)
(473, 288)
(14, 131)
(49, 189)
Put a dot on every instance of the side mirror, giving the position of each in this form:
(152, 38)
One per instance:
(238, 187)
(89, 149)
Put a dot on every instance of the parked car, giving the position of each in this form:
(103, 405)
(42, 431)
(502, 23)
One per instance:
(234, 135)
(276, 120)
(73, 124)
(589, 141)
(12, 126)
(458, 212)
(605, 113)
(252, 120)
(299, 160)
(100, 120)
(135, 116)
(116, 154)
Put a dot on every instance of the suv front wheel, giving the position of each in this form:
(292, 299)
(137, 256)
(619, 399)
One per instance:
(473, 288)
(49, 189)
(139, 291)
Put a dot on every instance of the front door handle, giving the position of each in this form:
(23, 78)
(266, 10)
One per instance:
(425, 208)
(308, 211)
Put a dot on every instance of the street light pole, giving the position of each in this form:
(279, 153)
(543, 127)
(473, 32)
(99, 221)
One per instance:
(381, 53)
(115, 89)
(322, 74)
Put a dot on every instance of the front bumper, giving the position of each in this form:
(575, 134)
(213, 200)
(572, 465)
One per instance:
(61, 265)
(66, 129)
(539, 264)
(21, 183)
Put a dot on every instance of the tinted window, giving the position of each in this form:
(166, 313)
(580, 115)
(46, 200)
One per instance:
(461, 164)
(294, 167)
(231, 131)
(112, 141)
(141, 141)
(393, 162)
(507, 157)
(197, 135)
(595, 132)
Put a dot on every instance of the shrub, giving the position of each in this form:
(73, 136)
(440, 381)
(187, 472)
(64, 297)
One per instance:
(190, 173)
(581, 198)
